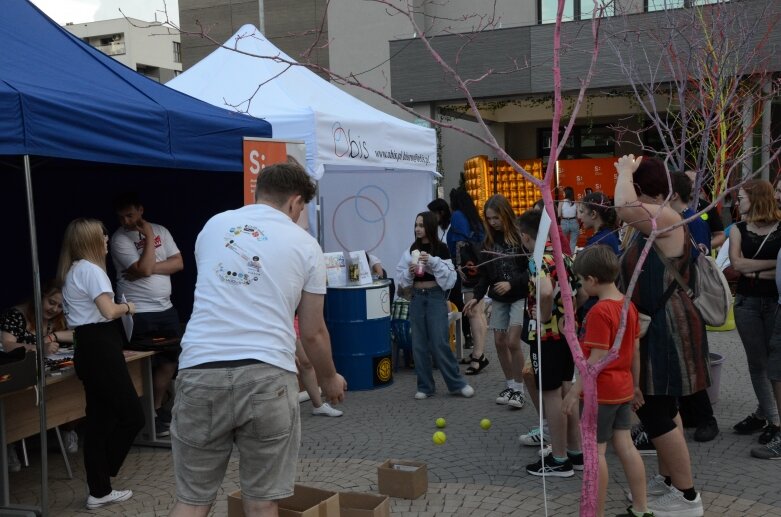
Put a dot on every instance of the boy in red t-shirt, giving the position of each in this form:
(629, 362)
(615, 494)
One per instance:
(617, 385)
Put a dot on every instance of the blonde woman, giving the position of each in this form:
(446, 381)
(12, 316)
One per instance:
(113, 414)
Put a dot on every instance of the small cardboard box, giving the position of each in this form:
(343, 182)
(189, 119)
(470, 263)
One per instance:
(306, 501)
(357, 504)
(402, 478)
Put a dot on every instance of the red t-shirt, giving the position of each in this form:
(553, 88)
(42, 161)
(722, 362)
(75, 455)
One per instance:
(614, 384)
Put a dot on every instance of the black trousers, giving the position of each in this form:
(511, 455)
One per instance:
(114, 413)
(695, 409)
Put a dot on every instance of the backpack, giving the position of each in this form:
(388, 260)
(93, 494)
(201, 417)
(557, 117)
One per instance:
(467, 259)
(710, 292)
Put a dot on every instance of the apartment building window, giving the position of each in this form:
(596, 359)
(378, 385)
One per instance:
(661, 5)
(177, 52)
(576, 10)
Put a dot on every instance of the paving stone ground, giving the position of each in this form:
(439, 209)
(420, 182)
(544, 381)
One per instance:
(476, 473)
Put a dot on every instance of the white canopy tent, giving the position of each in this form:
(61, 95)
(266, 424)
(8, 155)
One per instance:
(375, 171)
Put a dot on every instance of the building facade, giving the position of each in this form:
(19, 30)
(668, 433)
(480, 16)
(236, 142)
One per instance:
(149, 48)
(513, 42)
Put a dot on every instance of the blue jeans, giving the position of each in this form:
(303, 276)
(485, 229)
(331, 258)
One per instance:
(430, 338)
(571, 229)
(755, 317)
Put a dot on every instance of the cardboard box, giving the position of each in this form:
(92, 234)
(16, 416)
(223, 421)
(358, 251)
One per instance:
(306, 501)
(402, 478)
(357, 504)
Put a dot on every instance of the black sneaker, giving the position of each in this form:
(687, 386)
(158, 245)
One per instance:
(750, 424)
(549, 466)
(164, 416)
(706, 431)
(643, 444)
(161, 430)
(517, 400)
(504, 396)
(769, 432)
(576, 459)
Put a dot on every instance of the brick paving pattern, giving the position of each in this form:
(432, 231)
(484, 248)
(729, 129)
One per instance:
(476, 473)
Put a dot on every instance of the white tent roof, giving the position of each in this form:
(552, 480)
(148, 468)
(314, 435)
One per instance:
(338, 129)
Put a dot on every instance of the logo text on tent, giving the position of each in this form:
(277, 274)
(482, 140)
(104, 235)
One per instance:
(346, 145)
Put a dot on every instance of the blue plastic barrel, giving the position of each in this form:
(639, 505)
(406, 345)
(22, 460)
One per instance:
(358, 320)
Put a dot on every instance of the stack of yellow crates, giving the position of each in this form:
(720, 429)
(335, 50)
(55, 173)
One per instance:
(479, 180)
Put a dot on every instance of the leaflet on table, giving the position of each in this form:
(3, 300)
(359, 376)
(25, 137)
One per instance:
(127, 321)
(347, 268)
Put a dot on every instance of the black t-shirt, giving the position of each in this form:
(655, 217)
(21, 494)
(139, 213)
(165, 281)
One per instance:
(440, 251)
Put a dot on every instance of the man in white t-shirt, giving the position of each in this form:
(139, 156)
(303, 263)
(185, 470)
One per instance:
(237, 378)
(145, 256)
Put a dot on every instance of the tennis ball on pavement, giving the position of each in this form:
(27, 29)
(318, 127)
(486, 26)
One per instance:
(439, 438)
(485, 424)
(440, 422)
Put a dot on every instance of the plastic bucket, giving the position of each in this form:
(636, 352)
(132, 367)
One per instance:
(358, 320)
(716, 360)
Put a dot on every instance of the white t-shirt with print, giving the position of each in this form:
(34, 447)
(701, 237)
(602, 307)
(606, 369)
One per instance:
(84, 282)
(253, 263)
(152, 293)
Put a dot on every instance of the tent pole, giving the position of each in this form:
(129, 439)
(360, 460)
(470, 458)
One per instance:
(38, 336)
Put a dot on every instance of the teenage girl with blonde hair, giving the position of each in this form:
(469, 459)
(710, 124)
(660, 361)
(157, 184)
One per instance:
(113, 413)
(505, 279)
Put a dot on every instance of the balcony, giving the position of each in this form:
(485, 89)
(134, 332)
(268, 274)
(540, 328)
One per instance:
(115, 48)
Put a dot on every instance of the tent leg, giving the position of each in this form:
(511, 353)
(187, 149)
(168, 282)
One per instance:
(39, 336)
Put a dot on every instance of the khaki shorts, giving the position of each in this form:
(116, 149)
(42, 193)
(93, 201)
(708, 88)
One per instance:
(255, 406)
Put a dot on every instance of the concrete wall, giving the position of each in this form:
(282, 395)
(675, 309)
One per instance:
(632, 38)
(219, 20)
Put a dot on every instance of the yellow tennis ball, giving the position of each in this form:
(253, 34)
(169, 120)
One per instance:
(439, 438)
(485, 424)
(440, 422)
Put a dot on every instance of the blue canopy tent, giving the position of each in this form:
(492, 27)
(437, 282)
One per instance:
(92, 127)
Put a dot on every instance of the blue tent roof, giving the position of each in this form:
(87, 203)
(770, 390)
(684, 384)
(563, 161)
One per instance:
(59, 97)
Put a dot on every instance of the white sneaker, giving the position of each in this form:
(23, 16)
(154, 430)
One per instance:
(655, 487)
(547, 449)
(303, 396)
(421, 396)
(116, 496)
(326, 410)
(71, 441)
(533, 438)
(467, 391)
(673, 504)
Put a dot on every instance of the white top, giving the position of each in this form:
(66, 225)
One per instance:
(153, 293)
(568, 209)
(253, 264)
(84, 282)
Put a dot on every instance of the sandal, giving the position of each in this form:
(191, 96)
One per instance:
(468, 360)
(482, 362)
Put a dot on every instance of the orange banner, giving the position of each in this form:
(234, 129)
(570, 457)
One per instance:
(257, 155)
(597, 174)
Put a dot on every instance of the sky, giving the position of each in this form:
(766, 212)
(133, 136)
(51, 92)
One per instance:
(80, 11)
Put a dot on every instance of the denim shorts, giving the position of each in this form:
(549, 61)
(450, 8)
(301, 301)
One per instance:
(506, 315)
(255, 406)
